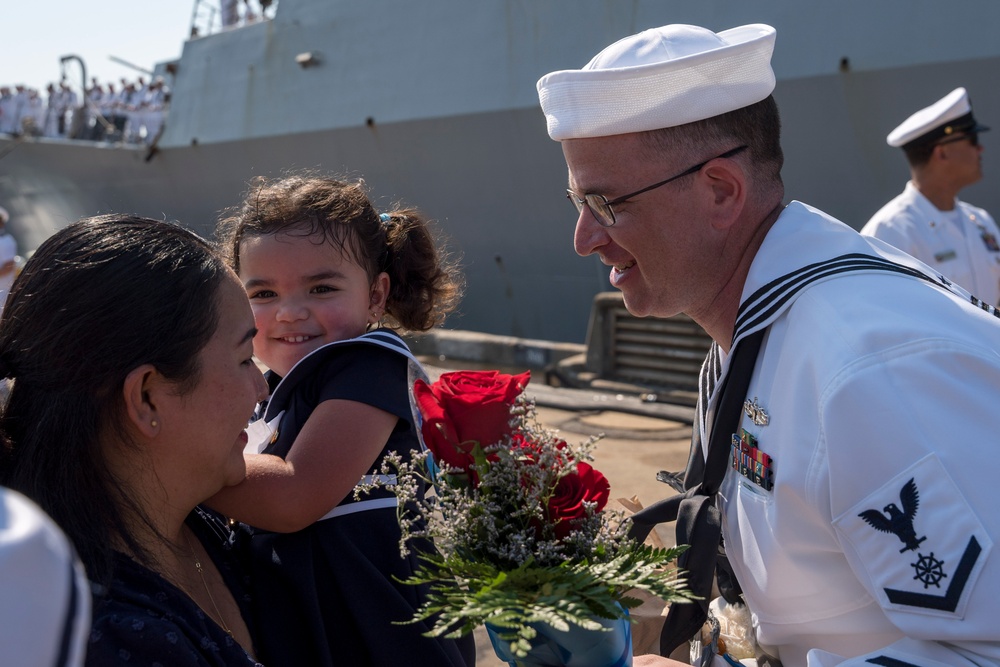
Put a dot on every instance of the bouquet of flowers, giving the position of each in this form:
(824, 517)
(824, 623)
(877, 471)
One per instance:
(523, 541)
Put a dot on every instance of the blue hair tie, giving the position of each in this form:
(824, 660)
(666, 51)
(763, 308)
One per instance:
(384, 217)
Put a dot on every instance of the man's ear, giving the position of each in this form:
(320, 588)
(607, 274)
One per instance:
(139, 391)
(728, 191)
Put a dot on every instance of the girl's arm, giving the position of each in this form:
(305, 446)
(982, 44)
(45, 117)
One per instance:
(337, 445)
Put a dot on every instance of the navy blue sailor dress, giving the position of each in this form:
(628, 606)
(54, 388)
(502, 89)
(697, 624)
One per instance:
(328, 595)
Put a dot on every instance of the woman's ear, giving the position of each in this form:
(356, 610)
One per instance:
(139, 391)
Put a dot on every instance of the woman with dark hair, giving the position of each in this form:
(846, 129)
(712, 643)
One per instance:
(129, 342)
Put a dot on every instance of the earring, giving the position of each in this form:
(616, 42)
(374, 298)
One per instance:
(153, 423)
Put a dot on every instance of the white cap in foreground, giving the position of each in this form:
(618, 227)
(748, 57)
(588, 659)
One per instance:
(45, 600)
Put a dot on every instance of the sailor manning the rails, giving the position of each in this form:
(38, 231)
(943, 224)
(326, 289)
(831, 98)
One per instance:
(928, 220)
(847, 462)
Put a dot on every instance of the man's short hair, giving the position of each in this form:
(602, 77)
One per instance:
(919, 154)
(758, 126)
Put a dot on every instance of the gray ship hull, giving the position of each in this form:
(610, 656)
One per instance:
(493, 183)
(473, 153)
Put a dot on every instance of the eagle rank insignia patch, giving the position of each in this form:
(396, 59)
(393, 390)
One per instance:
(919, 541)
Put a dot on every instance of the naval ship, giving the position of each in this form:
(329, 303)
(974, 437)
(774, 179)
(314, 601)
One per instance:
(434, 104)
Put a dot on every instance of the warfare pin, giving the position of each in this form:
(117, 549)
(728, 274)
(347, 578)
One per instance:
(755, 412)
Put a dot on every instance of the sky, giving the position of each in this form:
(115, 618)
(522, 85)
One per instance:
(34, 34)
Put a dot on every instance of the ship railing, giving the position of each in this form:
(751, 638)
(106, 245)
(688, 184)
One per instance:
(212, 16)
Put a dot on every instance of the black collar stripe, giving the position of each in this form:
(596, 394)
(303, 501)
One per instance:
(770, 298)
(75, 616)
(807, 273)
(707, 379)
(776, 304)
(806, 270)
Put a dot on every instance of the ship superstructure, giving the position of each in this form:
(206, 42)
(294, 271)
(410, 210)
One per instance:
(434, 104)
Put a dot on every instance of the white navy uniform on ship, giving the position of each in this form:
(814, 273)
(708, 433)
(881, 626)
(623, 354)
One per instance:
(21, 98)
(229, 12)
(32, 118)
(68, 101)
(8, 271)
(51, 127)
(963, 244)
(7, 113)
(151, 112)
(875, 398)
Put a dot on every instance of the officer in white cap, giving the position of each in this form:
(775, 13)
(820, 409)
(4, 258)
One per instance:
(928, 220)
(845, 462)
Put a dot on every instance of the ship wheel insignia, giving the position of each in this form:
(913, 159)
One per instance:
(928, 570)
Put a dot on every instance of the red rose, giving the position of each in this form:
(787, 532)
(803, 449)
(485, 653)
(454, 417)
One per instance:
(566, 504)
(466, 408)
(531, 450)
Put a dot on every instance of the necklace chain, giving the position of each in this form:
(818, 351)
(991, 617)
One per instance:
(201, 573)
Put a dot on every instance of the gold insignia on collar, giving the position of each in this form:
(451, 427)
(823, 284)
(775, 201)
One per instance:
(755, 412)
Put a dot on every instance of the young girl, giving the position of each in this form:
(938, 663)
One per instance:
(322, 267)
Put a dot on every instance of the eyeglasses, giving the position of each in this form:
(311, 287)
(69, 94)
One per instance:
(601, 209)
(973, 138)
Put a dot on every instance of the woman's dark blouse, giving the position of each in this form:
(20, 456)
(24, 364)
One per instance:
(144, 620)
(330, 594)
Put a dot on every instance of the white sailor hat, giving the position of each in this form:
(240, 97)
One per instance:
(45, 606)
(952, 113)
(662, 77)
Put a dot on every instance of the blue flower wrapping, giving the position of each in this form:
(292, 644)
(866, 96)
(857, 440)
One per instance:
(576, 647)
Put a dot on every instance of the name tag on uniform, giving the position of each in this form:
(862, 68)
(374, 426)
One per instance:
(945, 255)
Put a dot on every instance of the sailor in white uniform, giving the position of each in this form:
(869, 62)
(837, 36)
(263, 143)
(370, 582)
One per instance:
(858, 490)
(21, 95)
(7, 124)
(927, 220)
(8, 258)
(229, 12)
(875, 396)
(33, 114)
(51, 127)
(152, 109)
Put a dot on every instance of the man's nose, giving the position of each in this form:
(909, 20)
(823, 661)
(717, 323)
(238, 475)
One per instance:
(589, 234)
